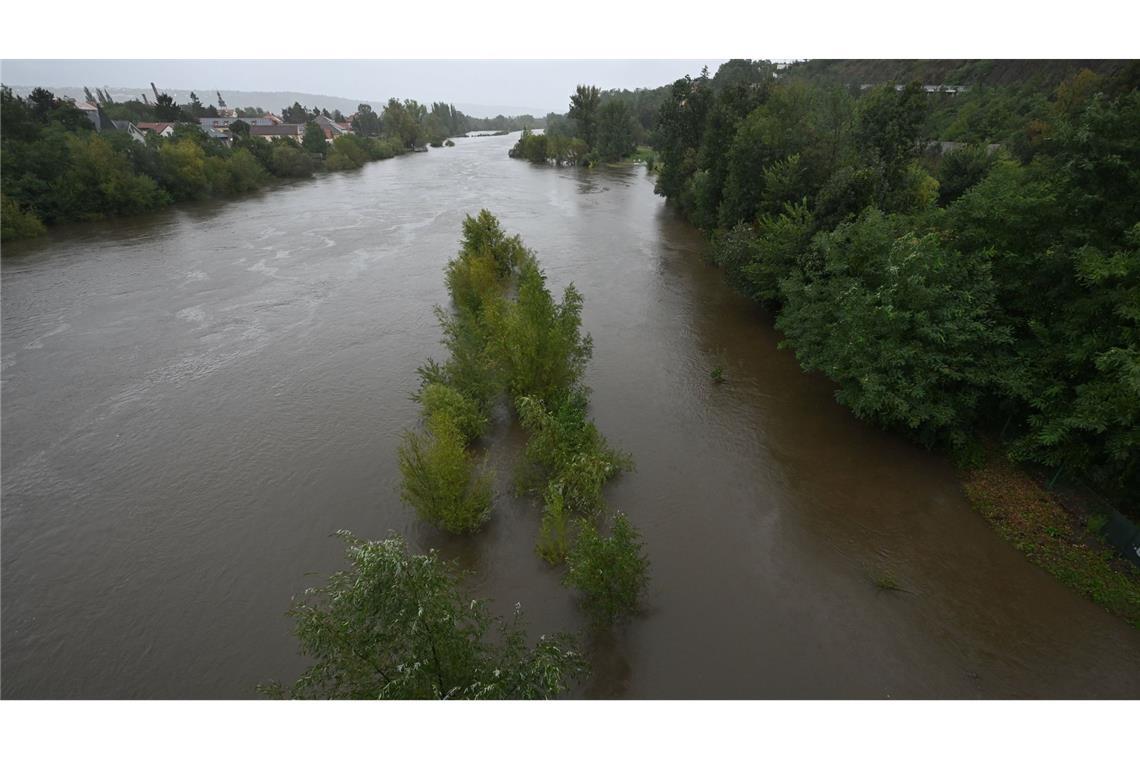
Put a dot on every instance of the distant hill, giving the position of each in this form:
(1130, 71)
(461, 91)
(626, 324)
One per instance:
(272, 101)
(997, 72)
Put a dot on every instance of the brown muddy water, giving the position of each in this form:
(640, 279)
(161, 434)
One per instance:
(193, 402)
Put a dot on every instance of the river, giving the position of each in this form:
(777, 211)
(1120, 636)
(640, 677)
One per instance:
(195, 400)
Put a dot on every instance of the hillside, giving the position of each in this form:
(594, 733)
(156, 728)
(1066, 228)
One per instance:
(1040, 73)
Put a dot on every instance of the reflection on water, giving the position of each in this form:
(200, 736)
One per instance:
(194, 401)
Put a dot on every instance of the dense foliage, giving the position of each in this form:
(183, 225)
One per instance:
(57, 168)
(610, 571)
(951, 290)
(396, 626)
(506, 335)
(595, 129)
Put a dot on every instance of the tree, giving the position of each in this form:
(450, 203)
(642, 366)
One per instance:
(614, 131)
(584, 112)
(610, 571)
(440, 480)
(295, 114)
(165, 109)
(239, 129)
(396, 626)
(366, 122)
(889, 126)
(538, 342)
(313, 140)
(905, 325)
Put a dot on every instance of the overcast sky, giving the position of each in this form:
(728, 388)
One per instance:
(536, 86)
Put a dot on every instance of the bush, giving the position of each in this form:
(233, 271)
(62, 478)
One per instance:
(554, 533)
(439, 400)
(439, 478)
(903, 324)
(396, 626)
(288, 160)
(538, 342)
(611, 573)
(569, 450)
(16, 223)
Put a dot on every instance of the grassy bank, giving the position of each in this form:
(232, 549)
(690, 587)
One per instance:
(1061, 542)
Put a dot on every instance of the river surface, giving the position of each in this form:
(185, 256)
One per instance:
(194, 401)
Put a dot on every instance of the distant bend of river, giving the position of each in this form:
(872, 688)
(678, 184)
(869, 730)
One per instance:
(194, 401)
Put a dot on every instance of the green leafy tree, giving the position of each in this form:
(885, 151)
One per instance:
(568, 449)
(610, 572)
(313, 140)
(397, 626)
(906, 326)
(538, 342)
(166, 109)
(295, 114)
(584, 107)
(615, 138)
(440, 479)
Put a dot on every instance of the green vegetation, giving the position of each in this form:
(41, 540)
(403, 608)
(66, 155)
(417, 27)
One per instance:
(596, 129)
(1032, 520)
(948, 294)
(568, 451)
(57, 168)
(396, 626)
(440, 478)
(610, 571)
(530, 348)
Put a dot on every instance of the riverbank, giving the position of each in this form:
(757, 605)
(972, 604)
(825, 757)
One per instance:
(1063, 543)
(230, 179)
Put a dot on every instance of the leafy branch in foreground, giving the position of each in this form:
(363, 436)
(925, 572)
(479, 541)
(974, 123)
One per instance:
(395, 626)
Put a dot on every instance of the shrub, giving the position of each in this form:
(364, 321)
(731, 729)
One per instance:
(554, 533)
(440, 480)
(568, 448)
(16, 223)
(538, 342)
(610, 572)
(396, 626)
(441, 400)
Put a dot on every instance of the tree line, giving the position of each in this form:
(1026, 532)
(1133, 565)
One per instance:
(57, 168)
(990, 291)
(595, 129)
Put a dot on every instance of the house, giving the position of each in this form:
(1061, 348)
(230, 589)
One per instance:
(331, 128)
(125, 126)
(91, 111)
(275, 131)
(219, 122)
(160, 128)
(221, 135)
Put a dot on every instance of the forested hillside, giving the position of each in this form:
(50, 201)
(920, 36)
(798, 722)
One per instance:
(987, 289)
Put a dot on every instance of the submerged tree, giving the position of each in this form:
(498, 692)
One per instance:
(610, 571)
(396, 626)
(440, 477)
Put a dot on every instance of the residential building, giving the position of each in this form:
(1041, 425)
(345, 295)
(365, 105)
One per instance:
(160, 128)
(275, 131)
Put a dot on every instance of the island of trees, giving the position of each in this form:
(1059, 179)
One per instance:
(396, 625)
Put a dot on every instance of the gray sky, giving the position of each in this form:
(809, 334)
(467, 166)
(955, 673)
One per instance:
(534, 86)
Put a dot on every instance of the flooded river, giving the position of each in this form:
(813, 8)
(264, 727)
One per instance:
(194, 401)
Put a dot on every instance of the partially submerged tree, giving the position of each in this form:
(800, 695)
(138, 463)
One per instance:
(397, 626)
(610, 571)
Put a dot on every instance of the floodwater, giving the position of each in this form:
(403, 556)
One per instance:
(194, 401)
